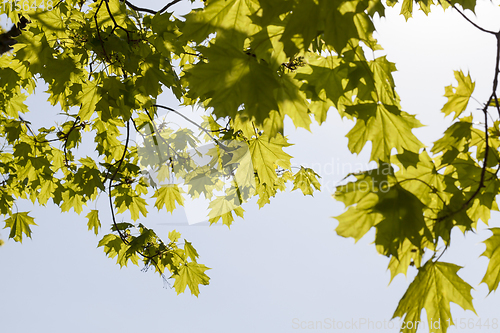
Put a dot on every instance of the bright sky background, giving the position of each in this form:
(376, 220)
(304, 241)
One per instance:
(282, 265)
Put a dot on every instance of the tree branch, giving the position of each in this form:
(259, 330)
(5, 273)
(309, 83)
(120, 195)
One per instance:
(468, 20)
(150, 11)
(7, 38)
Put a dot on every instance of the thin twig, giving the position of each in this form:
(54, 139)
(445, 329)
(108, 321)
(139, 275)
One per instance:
(150, 11)
(468, 20)
(192, 122)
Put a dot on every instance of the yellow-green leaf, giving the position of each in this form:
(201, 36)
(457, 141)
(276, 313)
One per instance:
(191, 275)
(94, 222)
(19, 224)
(458, 97)
(167, 196)
(492, 276)
(435, 286)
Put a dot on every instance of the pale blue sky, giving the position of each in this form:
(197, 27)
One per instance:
(282, 264)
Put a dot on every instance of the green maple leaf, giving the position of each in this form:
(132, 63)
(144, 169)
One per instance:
(327, 76)
(228, 18)
(14, 105)
(174, 236)
(407, 9)
(12, 129)
(466, 4)
(267, 45)
(306, 180)
(9, 78)
(114, 246)
(223, 208)
(46, 191)
(457, 136)
(33, 49)
(425, 5)
(133, 203)
(6, 202)
(167, 196)
(492, 276)
(267, 153)
(94, 222)
(203, 180)
(88, 99)
(293, 102)
(402, 219)
(358, 220)
(154, 75)
(190, 275)
(19, 224)
(303, 24)
(138, 243)
(51, 21)
(408, 255)
(435, 286)
(421, 178)
(190, 251)
(344, 21)
(72, 199)
(383, 81)
(386, 126)
(458, 97)
(233, 79)
(361, 198)
(366, 183)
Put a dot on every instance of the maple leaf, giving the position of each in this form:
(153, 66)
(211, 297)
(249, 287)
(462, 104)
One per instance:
(458, 97)
(167, 196)
(457, 136)
(231, 79)
(492, 275)
(228, 18)
(114, 246)
(267, 153)
(94, 222)
(466, 4)
(190, 251)
(386, 126)
(302, 26)
(223, 208)
(358, 220)
(435, 286)
(408, 255)
(293, 102)
(383, 82)
(407, 9)
(131, 202)
(361, 198)
(19, 224)
(190, 275)
(327, 76)
(402, 219)
(15, 105)
(421, 178)
(306, 180)
(88, 98)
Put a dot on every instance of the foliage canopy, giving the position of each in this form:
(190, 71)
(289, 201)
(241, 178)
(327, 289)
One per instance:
(250, 64)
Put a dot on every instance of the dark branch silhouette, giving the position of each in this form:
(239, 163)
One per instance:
(7, 39)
